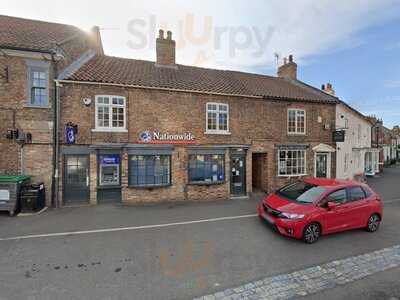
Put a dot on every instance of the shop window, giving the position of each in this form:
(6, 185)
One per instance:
(109, 170)
(149, 170)
(206, 168)
(217, 118)
(110, 113)
(296, 121)
(291, 162)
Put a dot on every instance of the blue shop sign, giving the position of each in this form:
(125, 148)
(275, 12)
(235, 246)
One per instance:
(70, 135)
(111, 159)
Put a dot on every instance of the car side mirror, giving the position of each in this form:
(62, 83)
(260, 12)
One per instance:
(331, 205)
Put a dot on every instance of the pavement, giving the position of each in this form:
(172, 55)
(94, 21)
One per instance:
(182, 251)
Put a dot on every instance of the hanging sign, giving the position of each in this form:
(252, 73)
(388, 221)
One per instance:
(70, 135)
(338, 135)
(156, 137)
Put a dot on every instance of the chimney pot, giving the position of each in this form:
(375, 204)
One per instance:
(165, 49)
(288, 69)
(323, 87)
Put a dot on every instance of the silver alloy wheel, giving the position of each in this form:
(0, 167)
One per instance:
(373, 223)
(312, 233)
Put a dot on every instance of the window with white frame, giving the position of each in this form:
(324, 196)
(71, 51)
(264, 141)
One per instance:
(217, 118)
(296, 121)
(291, 162)
(110, 113)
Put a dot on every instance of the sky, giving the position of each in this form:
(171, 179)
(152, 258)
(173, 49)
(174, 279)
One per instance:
(353, 44)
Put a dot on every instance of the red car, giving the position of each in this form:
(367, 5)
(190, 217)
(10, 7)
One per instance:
(313, 207)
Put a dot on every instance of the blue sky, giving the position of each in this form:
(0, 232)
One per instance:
(353, 44)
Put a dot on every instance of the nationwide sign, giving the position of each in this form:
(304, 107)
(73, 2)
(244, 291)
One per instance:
(156, 137)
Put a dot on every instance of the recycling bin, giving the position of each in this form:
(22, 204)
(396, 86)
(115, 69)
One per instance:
(10, 189)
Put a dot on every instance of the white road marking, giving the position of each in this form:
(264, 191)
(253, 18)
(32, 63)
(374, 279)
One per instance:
(390, 201)
(58, 234)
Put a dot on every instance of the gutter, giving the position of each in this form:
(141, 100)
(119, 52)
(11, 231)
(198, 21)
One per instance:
(193, 91)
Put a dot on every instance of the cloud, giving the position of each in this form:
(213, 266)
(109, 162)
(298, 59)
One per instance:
(223, 34)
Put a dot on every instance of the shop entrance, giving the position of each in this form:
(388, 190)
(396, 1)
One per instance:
(259, 172)
(238, 174)
(76, 179)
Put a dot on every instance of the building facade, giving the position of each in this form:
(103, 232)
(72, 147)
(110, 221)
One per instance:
(147, 131)
(29, 63)
(355, 155)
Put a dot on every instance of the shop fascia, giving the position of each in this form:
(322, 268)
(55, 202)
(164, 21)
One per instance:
(157, 137)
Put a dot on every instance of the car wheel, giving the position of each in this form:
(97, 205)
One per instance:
(312, 232)
(373, 223)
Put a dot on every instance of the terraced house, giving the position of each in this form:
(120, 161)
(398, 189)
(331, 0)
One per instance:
(32, 55)
(144, 131)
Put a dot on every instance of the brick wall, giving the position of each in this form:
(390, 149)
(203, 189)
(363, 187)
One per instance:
(261, 124)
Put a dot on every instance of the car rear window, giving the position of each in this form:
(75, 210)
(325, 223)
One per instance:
(301, 192)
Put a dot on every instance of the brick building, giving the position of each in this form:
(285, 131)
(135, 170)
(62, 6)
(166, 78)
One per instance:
(161, 131)
(32, 54)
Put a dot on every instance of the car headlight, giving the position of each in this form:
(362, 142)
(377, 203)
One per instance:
(292, 216)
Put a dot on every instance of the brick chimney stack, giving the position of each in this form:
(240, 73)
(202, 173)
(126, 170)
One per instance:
(95, 40)
(165, 49)
(328, 89)
(288, 69)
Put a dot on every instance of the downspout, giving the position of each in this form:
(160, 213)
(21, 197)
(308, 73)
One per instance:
(57, 145)
(55, 173)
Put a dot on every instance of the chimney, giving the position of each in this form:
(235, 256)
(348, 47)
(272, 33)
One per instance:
(328, 89)
(165, 49)
(95, 40)
(288, 69)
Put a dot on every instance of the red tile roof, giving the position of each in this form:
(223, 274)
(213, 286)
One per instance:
(115, 70)
(18, 33)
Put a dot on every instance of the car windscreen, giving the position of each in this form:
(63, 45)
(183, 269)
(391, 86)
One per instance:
(302, 192)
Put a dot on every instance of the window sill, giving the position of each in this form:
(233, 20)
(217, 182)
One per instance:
(109, 130)
(218, 132)
(295, 133)
(206, 183)
(37, 106)
(149, 187)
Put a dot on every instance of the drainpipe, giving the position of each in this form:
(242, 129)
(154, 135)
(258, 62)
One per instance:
(57, 144)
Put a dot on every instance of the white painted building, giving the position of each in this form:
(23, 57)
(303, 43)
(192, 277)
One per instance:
(354, 157)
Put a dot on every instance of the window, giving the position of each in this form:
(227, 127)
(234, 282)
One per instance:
(110, 113)
(206, 168)
(356, 193)
(217, 118)
(296, 121)
(38, 83)
(291, 162)
(149, 170)
(301, 192)
(109, 169)
(338, 197)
